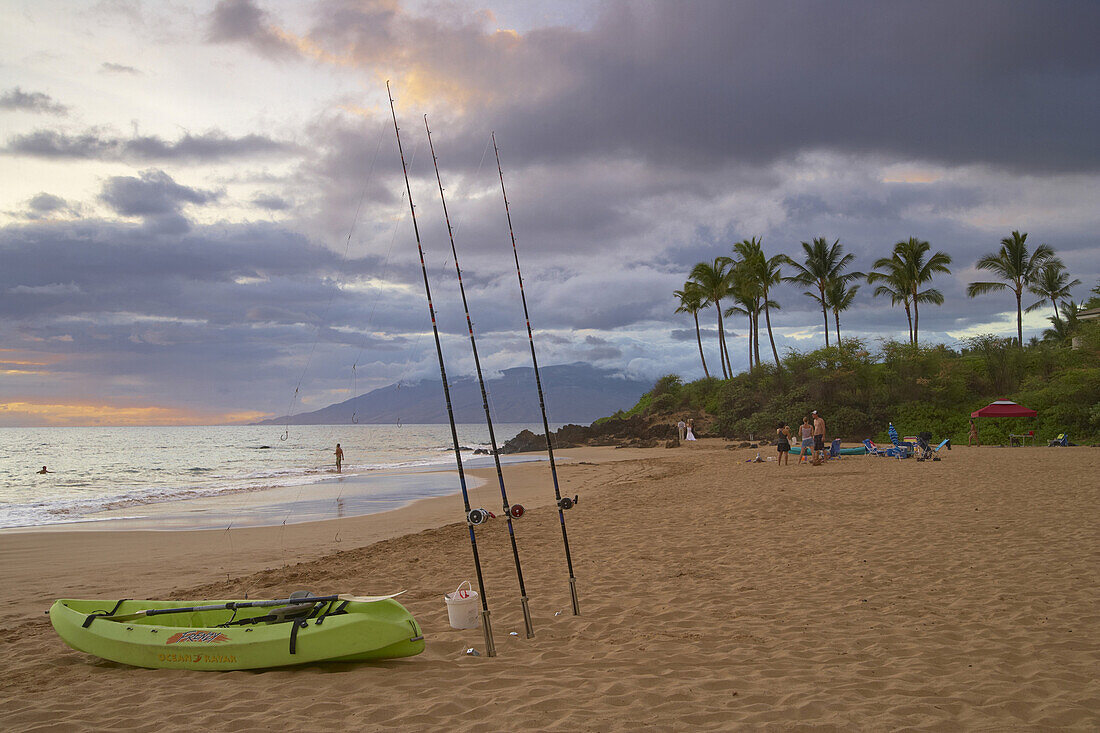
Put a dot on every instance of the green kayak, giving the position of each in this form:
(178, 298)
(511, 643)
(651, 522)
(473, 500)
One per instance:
(239, 634)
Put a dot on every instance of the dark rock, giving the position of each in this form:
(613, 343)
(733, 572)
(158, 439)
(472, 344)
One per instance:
(744, 444)
(674, 443)
(525, 442)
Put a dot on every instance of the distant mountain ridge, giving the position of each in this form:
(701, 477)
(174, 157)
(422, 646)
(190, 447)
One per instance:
(575, 392)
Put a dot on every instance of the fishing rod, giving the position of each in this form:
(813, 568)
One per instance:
(473, 516)
(564, 503)
(510, 510)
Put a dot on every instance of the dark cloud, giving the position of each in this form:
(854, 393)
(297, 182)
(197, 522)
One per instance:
(155, 197)
(45, 203)
(111, 68)
(96, 144)
(243, 21)
(151, 194)
(271, 202)
(17, 99)
(703, 84)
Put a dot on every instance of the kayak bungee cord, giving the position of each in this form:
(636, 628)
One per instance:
(510, 510)
(473, 516)
(566, 502)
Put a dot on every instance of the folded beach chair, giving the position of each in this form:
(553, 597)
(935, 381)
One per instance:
(900, 449)
(834, 449)
(1062, 439)
(872, 449)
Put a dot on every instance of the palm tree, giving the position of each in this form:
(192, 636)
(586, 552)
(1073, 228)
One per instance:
(896, 285)
(921, 271)
(824, 263)
(768, 274)
(1012, 263)
(1062, 329)
(714, 280)
(839, 297)
(749, 273)
(691, 301)
(1051, 283)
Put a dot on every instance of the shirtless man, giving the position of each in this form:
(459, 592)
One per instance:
(819, 439)
(43, 470)
(339, 457)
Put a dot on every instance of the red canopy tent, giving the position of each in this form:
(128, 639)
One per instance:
(1003, 408)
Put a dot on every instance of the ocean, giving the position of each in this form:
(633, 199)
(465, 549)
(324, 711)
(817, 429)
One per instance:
(96, 469)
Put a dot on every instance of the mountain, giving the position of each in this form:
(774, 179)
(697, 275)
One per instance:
(576, 392)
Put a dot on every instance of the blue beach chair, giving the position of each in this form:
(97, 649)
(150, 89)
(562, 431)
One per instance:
(872, 449)
(1061, 440)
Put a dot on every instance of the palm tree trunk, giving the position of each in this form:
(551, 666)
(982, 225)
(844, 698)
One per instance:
(909, 317)
(1055, 306)
(916, 319)
(722, 342)
(836, 317)
(756, 334)
(699, 339)
(725, 348)
(824, 313)
(1019, 321)
(768, 323)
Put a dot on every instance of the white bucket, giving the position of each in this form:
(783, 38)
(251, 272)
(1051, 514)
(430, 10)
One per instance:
(462, 607)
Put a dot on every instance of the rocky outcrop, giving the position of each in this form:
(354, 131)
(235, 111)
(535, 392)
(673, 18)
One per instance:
(632, 431)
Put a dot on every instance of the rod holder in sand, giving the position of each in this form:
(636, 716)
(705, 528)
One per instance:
(490, 647)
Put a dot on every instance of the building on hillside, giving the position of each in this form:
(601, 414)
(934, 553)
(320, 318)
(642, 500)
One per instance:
(1090, 314)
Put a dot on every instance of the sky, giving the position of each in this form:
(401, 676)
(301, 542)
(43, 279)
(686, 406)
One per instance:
(203, 217)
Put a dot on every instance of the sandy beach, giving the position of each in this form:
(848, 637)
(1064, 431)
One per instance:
(716, 594)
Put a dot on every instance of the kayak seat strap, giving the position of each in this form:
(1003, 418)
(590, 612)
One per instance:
(93, 616)
(294, 626)
(330, 610)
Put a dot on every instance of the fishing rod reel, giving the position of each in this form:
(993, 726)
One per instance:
(516, 511)
(566, 503)
(479, 516)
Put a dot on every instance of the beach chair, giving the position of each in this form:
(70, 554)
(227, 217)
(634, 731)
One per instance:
(900, 449)
(1061, 439)
(834, 449)
(872, 449)
(938, 448)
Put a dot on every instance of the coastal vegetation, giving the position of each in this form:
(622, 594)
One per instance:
(916, 386)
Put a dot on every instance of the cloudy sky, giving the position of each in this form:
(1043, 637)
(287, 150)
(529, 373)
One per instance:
(203, 218)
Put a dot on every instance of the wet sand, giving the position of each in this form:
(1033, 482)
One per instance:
(865, 594)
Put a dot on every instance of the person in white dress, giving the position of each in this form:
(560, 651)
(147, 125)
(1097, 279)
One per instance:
(690, 430)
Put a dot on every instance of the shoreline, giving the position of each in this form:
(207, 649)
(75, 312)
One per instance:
(334, 496)
(868, 593)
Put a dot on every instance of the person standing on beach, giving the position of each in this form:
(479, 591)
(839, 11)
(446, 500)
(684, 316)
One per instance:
(680, 427)
(690, 431)
(972, 439)
(807, 432)
(783, 445)
(339, 457)
(819, 439)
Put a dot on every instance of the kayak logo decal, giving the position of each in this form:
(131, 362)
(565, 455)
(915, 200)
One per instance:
(204, 637)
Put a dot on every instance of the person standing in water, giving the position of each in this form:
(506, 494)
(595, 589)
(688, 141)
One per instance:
(339, 457)
(43, 470)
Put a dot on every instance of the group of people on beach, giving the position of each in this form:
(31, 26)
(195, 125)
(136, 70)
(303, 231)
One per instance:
(812, 432)
(686, 430)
